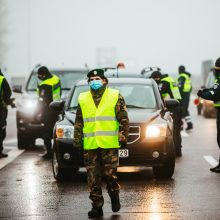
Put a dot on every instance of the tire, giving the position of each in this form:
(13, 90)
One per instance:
(59, 172)
(166, 171)
(24, 142)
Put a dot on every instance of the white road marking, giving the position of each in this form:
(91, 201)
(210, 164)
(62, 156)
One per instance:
(11, 156)
(211, 160)
(184, 134)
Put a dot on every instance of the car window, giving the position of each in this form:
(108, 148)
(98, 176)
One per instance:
(135, 95)
(67, 78)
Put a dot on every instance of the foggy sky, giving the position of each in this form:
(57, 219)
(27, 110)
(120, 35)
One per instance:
(163, 33)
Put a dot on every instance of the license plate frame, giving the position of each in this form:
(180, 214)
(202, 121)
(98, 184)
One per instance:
(123, 153)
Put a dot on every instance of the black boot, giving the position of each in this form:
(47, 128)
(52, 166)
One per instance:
(216, 169)
(179, 152)
(115, 202)
(95, 212)
(3, 155)
(189, 126)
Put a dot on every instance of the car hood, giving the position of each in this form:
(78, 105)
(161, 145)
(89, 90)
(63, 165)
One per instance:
(136, 116)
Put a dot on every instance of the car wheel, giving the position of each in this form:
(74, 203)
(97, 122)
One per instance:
(59, 172)
(167, 169)
(24, 142)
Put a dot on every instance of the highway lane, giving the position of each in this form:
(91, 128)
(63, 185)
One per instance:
(29, 191)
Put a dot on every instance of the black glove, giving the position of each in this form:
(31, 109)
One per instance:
(199, 93)
(123, 144)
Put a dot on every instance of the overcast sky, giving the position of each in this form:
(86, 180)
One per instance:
(163, 33)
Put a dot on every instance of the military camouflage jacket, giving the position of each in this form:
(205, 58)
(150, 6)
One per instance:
(120, 112)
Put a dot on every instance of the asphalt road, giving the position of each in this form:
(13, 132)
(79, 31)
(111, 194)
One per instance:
(29, 191)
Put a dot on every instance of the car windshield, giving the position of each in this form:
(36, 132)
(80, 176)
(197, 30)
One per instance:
(210, 81)
(135, 95)
(67, 78)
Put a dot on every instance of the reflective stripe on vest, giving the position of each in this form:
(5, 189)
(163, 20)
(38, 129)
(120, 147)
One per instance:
(100, 124)
(187, 84)
(54, 82)
(1, 81)
(173, 87)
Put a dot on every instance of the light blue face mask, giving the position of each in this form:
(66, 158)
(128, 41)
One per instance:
(95, 84)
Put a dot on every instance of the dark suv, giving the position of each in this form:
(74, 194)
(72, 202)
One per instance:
(27, 126)
(150, 141)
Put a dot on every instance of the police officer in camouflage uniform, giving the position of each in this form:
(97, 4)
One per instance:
(49, 89)
(101, 126)
(214, 95)
(185, 87)
(5, 94)
(168, 88)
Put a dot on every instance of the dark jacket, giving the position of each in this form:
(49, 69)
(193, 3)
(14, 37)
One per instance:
(6, 92)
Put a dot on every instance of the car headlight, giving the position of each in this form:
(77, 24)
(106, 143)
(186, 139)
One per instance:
(64, 131)
(28, 105)
(156, 130)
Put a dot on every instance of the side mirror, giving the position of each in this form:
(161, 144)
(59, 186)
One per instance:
(57, 106)
(171, 103)
(17, 88)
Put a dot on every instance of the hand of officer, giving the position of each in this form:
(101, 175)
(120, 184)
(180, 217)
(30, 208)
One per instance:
(12, 104)
(199, 93)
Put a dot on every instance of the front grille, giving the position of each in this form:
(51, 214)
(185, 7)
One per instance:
(134, 134)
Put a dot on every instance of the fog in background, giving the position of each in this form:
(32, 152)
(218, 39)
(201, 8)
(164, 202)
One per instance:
(164, 33)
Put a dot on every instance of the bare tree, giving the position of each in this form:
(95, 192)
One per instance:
(3, 31)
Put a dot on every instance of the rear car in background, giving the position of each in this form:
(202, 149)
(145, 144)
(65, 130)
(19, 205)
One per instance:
(150, 140)
(27, 125)
(205, 107)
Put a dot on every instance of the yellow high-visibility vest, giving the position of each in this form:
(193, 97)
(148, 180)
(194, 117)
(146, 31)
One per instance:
(100, 124)
(187, 84)
(54, 82)
(173, 86)
(1, 81)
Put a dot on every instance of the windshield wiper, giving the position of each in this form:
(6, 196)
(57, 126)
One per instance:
(134, 106)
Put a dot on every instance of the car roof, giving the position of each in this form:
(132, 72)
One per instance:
(128, 80)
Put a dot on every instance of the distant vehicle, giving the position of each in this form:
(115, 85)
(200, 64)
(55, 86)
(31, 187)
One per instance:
(27, 127)
(205, 107)
(150, 141)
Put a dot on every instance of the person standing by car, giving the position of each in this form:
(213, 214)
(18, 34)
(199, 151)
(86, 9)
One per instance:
(5, 94)
(49, 89)
(185, 87)
(101, 127)
(213, 94)
(169, 88)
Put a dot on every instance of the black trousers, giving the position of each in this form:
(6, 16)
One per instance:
(177, 123)
(3, 123)
(185, 104)
(218, 126)
(48, 119)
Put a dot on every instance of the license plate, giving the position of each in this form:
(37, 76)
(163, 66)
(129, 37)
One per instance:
(122, 153)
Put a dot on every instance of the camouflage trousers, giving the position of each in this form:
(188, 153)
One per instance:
(101, 164)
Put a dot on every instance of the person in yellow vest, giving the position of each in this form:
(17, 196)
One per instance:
(185, 87)
(213, 94)
(49, 89)
(5, 94)
(101, 127)
(169, 89)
